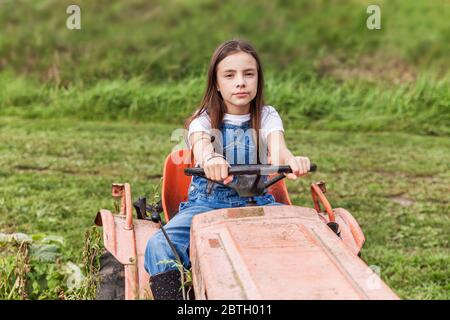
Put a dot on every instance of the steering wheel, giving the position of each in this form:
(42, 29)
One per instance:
(249, 183)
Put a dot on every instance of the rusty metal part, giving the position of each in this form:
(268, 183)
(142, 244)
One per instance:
(317, 191)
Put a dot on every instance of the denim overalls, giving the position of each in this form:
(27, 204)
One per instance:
(239, 149)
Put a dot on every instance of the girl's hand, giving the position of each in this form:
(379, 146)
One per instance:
(299, 165)
(216, 168)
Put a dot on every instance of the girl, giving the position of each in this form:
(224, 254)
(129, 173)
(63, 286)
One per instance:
(232, 126)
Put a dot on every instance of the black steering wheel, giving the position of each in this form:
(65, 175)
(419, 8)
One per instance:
(249, 183)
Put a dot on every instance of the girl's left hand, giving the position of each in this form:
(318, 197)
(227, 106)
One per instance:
(300, 167)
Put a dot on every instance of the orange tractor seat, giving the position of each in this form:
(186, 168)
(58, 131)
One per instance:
(175, 183)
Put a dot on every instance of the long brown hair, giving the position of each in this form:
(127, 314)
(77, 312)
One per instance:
(212, 101)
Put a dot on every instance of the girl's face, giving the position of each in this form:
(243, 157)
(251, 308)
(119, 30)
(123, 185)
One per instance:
(237, 81)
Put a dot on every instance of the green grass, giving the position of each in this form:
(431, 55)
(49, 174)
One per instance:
(80, 110)
(162, 40)
(146, 60)
(305, 101)
(56, 174)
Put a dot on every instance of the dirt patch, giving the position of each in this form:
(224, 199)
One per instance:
(405, 202)
(24, 167)
(374, 68)
(51, 170)
(153, 176)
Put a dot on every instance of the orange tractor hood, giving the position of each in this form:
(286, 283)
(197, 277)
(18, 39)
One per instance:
(276, 252)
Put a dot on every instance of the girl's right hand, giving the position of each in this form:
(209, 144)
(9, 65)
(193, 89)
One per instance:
(216, 168)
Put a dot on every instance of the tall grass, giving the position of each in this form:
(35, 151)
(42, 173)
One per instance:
(315, 103)
(163, 40)
(146, 60)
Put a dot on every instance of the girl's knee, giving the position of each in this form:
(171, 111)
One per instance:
(155, 241)
(154, 252)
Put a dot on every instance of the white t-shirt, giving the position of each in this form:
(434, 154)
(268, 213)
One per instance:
(270, 122)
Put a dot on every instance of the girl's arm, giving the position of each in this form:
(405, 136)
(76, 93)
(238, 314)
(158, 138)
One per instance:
(280, 155)
(214, 164)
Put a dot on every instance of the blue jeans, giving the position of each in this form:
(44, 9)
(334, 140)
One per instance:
(158, 252)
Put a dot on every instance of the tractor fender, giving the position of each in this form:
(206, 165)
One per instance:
(350, 231)
(117, 239)
(128, 247)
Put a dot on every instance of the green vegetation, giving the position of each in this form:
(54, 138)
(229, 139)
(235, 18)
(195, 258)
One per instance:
(146, 60)
(171, 40)
(55, 175)
(314, 103)
(80, 110)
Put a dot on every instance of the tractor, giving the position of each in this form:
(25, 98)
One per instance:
(242, 253)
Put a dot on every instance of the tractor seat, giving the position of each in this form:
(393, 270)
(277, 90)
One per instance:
(175, 183)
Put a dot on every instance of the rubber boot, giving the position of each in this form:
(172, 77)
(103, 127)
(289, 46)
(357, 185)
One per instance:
(166, 286)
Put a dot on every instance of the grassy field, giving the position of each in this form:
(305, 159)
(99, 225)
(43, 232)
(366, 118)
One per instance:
(55, 175)
(80, 110)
